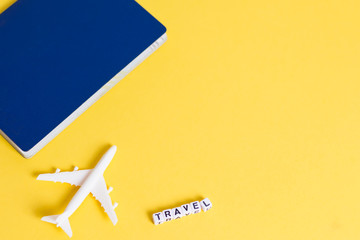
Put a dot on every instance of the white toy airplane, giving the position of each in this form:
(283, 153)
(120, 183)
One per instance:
(91, 181)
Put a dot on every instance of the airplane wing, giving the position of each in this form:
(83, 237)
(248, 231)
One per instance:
(76, 178)
(101, 193)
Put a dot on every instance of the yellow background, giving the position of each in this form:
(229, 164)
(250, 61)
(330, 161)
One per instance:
(254, 104)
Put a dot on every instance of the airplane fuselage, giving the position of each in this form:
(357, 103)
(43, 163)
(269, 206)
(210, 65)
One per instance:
(89, 183)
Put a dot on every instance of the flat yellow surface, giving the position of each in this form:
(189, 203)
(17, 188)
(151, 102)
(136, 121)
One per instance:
(254, 104)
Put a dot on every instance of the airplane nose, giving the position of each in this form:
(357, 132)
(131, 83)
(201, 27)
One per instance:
(113, 148)
(111, 151)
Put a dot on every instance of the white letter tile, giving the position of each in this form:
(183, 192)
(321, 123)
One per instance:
(168, 215)
(186, 209)
(158, 218)
(205, 204)
(195, 207)
(177, 213)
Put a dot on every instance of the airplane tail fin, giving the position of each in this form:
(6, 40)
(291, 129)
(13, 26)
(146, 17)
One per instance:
(60, 222)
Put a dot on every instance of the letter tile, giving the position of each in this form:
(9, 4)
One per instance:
(168, 215)
(205, 204)
(177, 213)
(186, 209)
(195, 207)
(158, 218)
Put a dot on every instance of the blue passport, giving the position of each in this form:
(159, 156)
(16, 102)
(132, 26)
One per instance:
(58, 57)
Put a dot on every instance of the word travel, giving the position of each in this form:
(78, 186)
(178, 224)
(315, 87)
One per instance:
(183, 210)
